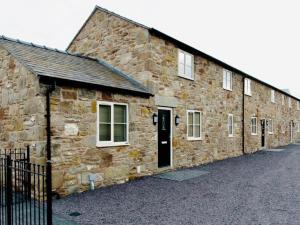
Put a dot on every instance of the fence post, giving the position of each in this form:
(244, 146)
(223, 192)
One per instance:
(28, 175)
(9, 192)
(28, 154)
(49, 193)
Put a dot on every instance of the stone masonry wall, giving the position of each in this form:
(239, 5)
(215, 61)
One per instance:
(260, 105)
(22, 109)
(154, 63)
(75, 155)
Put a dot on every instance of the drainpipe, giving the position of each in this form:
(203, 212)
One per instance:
(50, 89)
(243, 119)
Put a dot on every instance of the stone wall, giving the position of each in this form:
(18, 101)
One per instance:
(75, 155)
(260, 105)
(153, 62)
(22, 108)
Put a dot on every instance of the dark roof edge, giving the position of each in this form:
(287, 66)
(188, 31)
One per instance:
(75, 83)
(191, 49)
(108, 12)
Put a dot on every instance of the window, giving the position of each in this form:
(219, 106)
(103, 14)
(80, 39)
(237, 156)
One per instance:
(247, 86)
(270, 126)
(273, 96)
(282, 100)
(298, 106)
(112, 124)
(227, 80)
(230, 125)
(254, 125)
(194, 125)
(298, 128)
(185, 65)
(290, 102)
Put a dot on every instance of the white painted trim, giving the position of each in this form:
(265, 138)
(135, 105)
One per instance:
(252, 117)
(271, 132)
(225, 73)
(247, 84)
(187, 125)
(111, 143)
(171, 134)
(291, 132)
(230, 135)
(273, 96)
(192, 64)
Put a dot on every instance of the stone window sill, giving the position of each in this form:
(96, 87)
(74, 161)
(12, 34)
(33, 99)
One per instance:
(101, 145)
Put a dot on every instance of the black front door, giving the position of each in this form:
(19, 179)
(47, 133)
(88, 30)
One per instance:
(263, 133)
(164, 138)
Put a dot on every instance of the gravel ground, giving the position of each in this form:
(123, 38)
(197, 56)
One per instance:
(263, 188)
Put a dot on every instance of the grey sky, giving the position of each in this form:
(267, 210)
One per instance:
(258, 37)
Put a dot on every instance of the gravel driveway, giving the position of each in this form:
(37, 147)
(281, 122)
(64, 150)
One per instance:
(263, 188)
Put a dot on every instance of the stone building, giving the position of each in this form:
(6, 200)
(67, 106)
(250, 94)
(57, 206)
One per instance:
(131, 101)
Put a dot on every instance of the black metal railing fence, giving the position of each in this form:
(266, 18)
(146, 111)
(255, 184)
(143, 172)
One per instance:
(23, 192)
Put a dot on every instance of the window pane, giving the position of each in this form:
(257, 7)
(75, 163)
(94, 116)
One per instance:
(105, 132)
(120, 114)
(228, 84)
(181, 69)
(197, 118)
(188, 60)
(190, 131)
(224, 79)
(190, 118)
(197, 131)
(181, 58)
(120, 132)
(105, 113)
(188, 71)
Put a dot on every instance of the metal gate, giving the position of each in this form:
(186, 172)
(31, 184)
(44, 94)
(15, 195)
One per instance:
(23, 192)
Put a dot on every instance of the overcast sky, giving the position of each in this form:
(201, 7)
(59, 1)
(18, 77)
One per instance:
(259, 37)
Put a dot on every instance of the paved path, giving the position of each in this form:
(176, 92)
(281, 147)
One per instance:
(263, 188)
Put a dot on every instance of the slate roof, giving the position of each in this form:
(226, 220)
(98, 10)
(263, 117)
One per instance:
(52, 63)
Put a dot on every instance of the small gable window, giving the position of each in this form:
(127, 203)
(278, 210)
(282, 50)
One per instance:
(247, 86)
(290, 102)
(227, 80)
(185, 65)
(272, 96)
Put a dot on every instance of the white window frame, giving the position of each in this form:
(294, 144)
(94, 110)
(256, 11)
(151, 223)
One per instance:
(100, 143)
(298, 105)
(282, 100)
(248, 90)
(290, 102)
(187, 122)
(298, 128)
(273, 98)
(227, 73)
(232, 125)
(252, 125)
(271, 131)
(184, 75)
